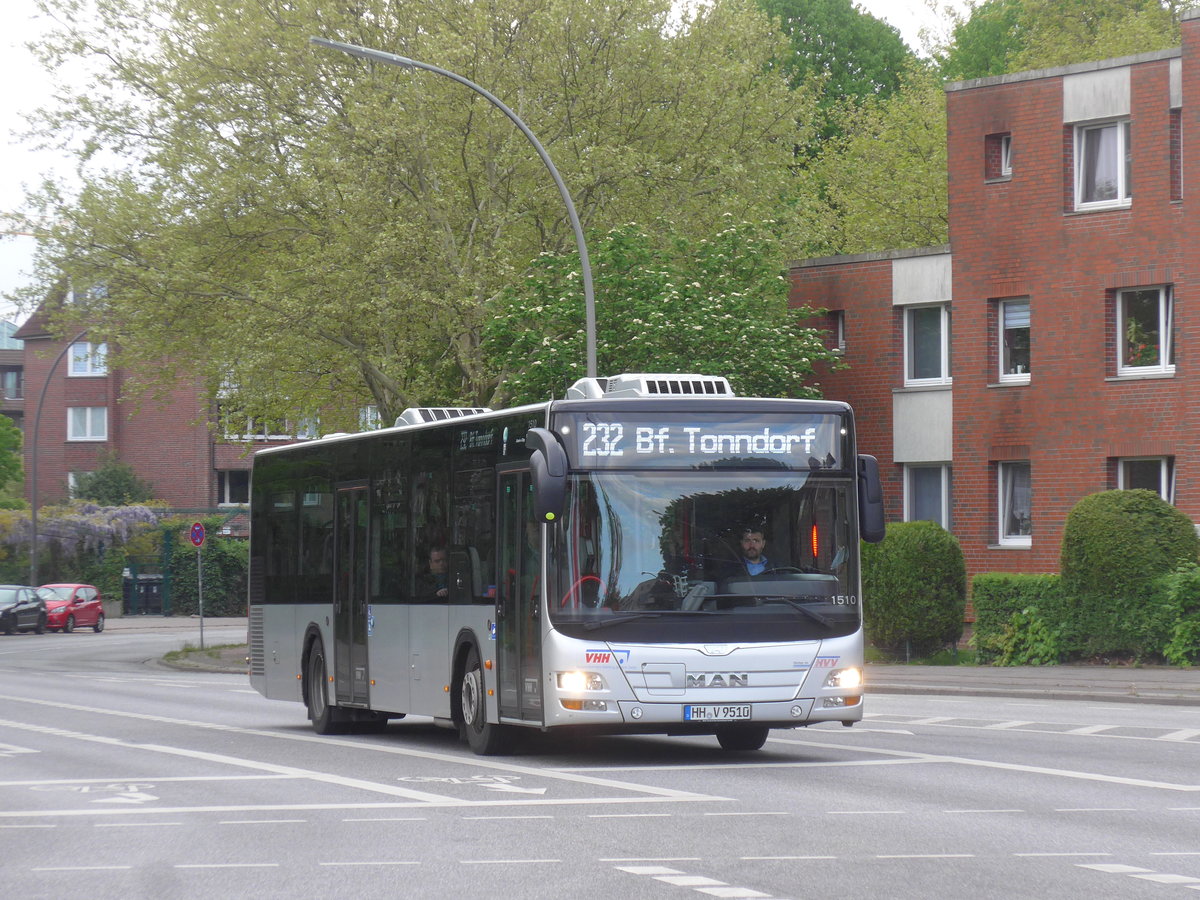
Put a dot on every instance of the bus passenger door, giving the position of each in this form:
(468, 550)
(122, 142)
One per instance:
(350, 595)
(518, 617)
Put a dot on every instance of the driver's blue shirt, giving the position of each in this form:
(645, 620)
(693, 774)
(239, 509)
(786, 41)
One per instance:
(755, 568)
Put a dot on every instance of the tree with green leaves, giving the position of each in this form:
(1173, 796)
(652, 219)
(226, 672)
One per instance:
(854, 54)
(314, 232)
(112, 483)
(10, 454)
(881, 184)
(996, 37)
(715, 305)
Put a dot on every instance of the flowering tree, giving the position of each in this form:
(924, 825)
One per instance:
(664, 303)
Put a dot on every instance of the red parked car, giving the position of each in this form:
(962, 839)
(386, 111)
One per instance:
(69, 605)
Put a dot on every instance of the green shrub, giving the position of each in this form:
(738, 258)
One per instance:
(1000, 597)
(914, 589)
(1181, 592)
(1116, 546)
(225, 563)
(1029, 641)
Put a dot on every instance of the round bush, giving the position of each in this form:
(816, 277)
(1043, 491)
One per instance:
(1115, 545)
(914, 589)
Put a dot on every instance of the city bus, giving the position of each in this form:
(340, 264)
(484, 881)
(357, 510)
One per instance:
(571, 565)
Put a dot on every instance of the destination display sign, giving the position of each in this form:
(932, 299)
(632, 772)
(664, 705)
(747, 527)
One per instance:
(669, 441)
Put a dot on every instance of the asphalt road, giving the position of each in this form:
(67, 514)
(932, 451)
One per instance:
(123, 779)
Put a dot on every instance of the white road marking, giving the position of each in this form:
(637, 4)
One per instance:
(1000, 726)
(267, 865)
(393, 862)
(1185, 734)
(504, 862)
(646, 793)
(1003, 766)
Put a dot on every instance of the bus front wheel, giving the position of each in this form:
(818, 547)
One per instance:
(324, 717)
(484, 738)
(742, 737)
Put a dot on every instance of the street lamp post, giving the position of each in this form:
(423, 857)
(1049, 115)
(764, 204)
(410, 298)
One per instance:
(405, 63)
(33, 463)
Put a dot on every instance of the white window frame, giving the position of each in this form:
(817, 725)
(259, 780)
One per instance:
(1166, 332)
(1124, 194)
(944, 499)
(94, 421)
(1005, 376)
(944, 345)
(1004, 486)
(1006, 156)
(88, 359)
(223, 491)
(1166, 474)
(369, 418)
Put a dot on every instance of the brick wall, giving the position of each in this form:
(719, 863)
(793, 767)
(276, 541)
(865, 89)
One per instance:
(1022, 237)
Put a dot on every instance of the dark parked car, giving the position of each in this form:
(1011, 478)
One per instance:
(21, 609)
(69, 605)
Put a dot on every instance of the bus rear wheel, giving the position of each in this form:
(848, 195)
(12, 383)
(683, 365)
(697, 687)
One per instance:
(742, 738)
(484, 738)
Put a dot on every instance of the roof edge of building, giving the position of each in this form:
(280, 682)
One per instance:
(1073, 69)
(872, 256)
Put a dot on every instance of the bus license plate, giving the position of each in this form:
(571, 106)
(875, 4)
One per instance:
(716, 713)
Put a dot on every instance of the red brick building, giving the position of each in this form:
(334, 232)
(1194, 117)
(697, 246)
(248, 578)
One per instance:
(87, 412)
(1049, 351)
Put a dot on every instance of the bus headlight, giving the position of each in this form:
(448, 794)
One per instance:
(844, 679)
(580, 681)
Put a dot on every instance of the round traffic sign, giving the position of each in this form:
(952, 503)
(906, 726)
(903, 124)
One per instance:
(197, 534)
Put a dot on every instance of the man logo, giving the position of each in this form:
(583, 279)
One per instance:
(718, 680)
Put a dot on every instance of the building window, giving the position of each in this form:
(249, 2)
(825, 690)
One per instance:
(837, 329)
(1014, 340)
(997, 150)
(1149, 473)
(369, 418)
(233, 487)
(88, 359)
(927, 344)
(927, 494)
(87, 423)
(1016, 509)
(1102, 165)
(240, 427)
(13, 384)
(1146, 337)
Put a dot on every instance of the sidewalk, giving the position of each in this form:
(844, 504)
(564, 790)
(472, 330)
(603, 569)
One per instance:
(1113, 684)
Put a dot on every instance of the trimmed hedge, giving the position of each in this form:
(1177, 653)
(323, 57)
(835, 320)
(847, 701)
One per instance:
(1018, 618)
(1116, 547)
(914, 589)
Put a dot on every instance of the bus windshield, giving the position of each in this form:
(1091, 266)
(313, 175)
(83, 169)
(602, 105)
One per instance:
(675, 557)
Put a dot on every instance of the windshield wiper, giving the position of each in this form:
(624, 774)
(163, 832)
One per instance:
(811, 613)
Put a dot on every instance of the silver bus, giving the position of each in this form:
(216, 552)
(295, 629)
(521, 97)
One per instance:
(650, 554)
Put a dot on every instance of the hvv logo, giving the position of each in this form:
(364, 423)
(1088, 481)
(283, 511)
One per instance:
(600, 657)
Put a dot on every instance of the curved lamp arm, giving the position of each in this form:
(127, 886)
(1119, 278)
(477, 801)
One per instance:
(405, 63)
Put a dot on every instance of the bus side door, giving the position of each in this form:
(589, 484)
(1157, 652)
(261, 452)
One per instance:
(350, 595)
(518, 618)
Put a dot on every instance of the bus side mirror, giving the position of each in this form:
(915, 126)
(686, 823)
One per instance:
(548, 463)
(870, 500)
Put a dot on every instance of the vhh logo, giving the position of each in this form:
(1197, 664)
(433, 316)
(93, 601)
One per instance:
(603, 657)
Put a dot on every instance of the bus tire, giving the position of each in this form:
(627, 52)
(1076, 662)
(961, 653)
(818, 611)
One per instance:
(323, 715)
(484, 738)
(742, 738)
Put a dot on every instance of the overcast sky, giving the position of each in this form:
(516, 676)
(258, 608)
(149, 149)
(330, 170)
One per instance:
(26, 88)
